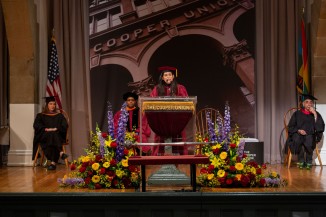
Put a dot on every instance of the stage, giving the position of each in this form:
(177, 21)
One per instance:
(27, 191)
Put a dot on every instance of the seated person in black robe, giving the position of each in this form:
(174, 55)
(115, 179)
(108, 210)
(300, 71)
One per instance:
(306, 128)
(50, 131)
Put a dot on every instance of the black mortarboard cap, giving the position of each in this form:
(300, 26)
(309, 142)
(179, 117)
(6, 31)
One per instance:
(308, 96)
(49, 99)
(163, 69)
(129, 94)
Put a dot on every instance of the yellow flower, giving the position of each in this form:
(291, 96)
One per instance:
(223, 155)
(106, 164)
(253, 170)
(108, 143)
(119, 173)
(124, 163)
(134, 176)
(216, 146)
(64, 178)
(215, 162)
(221, 173)
(95, 166)
(239, 166)
(238, 176)
(96, 178)
(85, 159)
(274, 174)
(210, 176)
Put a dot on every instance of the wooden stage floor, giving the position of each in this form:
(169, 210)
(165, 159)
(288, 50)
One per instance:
(28, 179)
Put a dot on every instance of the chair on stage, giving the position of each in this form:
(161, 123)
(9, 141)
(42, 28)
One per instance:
(39, 148)
(201, 120)
(286, 120)
(201, 123)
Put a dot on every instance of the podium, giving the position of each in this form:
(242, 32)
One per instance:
(172, 120)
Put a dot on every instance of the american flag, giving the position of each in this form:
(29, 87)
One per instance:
(53, 86)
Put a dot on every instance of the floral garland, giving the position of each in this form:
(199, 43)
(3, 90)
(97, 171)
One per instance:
(105, 164)
(229, 166)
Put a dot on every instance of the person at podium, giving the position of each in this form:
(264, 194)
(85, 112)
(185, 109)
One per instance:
(134, 120)
(168, 86)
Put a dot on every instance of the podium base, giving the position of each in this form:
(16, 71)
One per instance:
(168, 175)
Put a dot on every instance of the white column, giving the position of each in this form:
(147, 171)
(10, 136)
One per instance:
(21, 134)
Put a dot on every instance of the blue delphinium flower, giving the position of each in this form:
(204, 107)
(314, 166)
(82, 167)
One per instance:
(102, 143)
(227, 121)
(241, 148)
(122, 124)
(211, 130)
(110, 121)
(220, 127)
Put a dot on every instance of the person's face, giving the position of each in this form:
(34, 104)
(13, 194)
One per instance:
(131, 102)
(168, 77)
(52, 106)
(307, 104)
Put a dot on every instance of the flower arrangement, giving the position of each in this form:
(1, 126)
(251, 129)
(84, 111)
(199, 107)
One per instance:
(229, 166)
(105, 164)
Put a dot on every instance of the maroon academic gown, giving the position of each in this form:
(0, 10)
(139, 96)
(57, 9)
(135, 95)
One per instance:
(133, 123)
(179, 149)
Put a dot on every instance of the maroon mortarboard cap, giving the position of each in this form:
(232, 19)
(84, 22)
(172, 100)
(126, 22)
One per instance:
(163, 69)
(308, 96)
(129, 94)
(49, 99)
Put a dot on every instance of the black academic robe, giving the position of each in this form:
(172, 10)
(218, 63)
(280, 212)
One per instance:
(314, 130)
(53, 138)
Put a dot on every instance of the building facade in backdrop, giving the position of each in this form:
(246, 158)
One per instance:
(210, 42)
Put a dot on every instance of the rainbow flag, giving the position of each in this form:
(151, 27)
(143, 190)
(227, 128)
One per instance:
(303, 79)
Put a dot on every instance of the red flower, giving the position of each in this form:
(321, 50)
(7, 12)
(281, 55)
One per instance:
(137, 138)
(203, 170)
(233, 145)
(98, 186)
(264, 166)
(216, 151)
(238, 159)
(113, 144)
(85, 164)
(262, 182)
(229, 181)
(72, 166)
(245, 181)
(89, 173)
(258, 171)
(115, 182)
(221, 180)
(205, 139)
(253, 164)
(133, 168)
(98, 158)
(244, 155)
(113, 163)
(126, 152)
(102, 170)
(104, 135)
(87, 180)
(82, 169)
(232, 168)
(210, 168)
(110, 173)
(126, 182)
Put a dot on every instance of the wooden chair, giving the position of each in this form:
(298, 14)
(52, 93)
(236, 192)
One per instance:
(201, 121)
(286, 119)
(39, 148)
